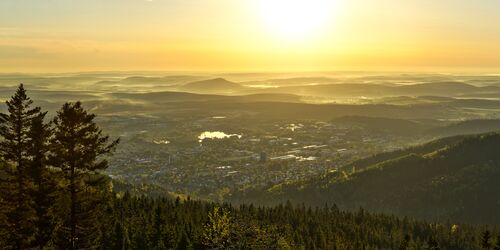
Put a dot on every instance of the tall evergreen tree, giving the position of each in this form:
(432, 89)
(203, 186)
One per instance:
(118, 237)
(405, 243)
(78, 147)
(158, 229)
(183, 243)
(14, 147)
(485, 240)
(6, 204)
(44, 183)
(497, 245)
(432, 244)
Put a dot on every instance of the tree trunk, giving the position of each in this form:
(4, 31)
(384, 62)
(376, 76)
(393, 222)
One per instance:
(73, 209)
(20, 189)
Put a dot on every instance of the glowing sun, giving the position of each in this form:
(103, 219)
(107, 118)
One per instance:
(296, 19)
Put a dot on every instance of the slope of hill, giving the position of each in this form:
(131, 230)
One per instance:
(193, 224)
(467, 127)
(216, 85)
(265, 97)
(457, 181)
(383, 125)
(171, 96)
(443, 89)
(422, 149)
(338, 90)
(292, 81)
(438, 88)
(139, 83)
(174, 79)
(165, 96)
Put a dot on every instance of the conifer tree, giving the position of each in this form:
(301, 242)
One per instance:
(158, 229)
(118, 238)
(497, 245)
(405, 243)
(218, 229)
(485, 240)
(43, 191)
(432, 244)
(14, 146)
(183, 243)
(78, 147)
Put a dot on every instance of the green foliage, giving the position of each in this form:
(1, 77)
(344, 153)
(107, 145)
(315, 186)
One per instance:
(497, 245)
(453, 179)
(217, 231)
(52, 193)
(405, 244)
(14, 130)
(78, 148)
(196, 224)
(485, 240)
(184, 242)
(44, 188)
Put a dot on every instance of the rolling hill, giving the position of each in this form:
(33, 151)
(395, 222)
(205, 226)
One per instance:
(293, 81)
(453, 179)
(171, 96)
(214, 86)
(442, 89)
(383, 125)
(467, 127)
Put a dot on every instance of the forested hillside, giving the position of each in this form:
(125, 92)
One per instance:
(467, 127)
(143, 223)
(453, 179)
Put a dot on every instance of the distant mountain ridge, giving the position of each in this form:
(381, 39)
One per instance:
(216, 85)
(443, 89)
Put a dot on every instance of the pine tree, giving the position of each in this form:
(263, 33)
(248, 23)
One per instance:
(432, 244)
(183, 243)
(485, 240)
(118, 238)
(78, 147)
(321, 239)
(405, 243)
(44, 183)
(497, 245)
(158, 228)
(14, 130)
(6, 205)
(217, 231)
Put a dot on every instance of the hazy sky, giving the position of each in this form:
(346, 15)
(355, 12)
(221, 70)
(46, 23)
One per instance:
(249, 35)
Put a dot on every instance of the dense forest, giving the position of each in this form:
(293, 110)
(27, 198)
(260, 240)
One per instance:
(54, 197)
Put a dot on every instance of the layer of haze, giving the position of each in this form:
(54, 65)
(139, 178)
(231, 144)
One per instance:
(233, 35)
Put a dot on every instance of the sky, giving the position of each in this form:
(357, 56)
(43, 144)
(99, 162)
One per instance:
(249, 35)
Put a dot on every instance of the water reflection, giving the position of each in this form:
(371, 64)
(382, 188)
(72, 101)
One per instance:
(215, 135)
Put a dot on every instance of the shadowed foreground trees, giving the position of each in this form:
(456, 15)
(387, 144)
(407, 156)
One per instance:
(44, 184)
(45, 168)
(54, 197)
(78, 146)
(14, 150)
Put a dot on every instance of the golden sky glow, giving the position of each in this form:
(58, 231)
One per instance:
(248, 35)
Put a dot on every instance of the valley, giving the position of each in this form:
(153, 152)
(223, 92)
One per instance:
(254, 141)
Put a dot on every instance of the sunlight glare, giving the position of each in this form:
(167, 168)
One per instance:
(296, 19)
